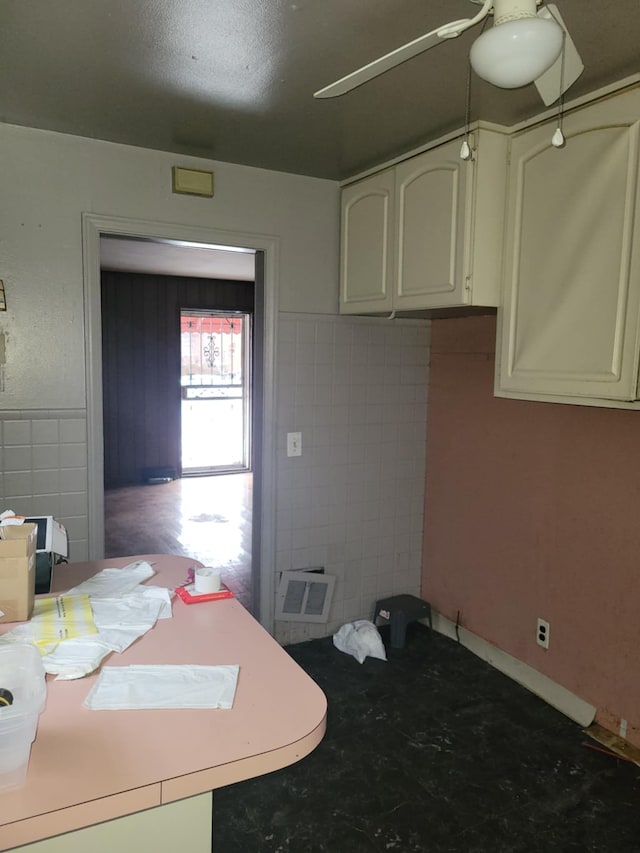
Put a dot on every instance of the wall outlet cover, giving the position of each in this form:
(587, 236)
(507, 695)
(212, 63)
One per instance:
(542, 633)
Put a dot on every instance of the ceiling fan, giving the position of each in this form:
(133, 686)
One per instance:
(526, 44)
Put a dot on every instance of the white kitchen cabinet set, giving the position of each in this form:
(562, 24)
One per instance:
(551, 236)
(423, 234)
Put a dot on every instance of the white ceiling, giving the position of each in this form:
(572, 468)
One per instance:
(123, 254)
(233, 80)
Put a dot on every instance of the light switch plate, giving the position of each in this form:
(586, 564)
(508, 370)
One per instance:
(294, 444)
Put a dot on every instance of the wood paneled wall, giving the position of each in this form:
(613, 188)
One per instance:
(141, 364)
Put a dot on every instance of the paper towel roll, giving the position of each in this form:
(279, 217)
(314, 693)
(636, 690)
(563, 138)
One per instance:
(206, 580)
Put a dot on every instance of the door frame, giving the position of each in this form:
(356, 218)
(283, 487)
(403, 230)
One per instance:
(266, 283)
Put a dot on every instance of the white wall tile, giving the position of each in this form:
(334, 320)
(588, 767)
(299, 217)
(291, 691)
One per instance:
(71, 504)
(73, 455)
(44, 505)
(16, 433)
(336, 553)
(305, 415)
(284, 539)
(78, 551)
(319, 516)
(302, 537)
(73, 431)
(17, 458)
(325, 334)
(46, 457)
(17, 484)
(354, 501)
(46, 431)
(341, 394)
(306, 330)
(301, 558)
(73, 480)
(323, 395)
(305, 352)
(283, 560)
(286, 353)
(44, 469)
(286, 330)
(301, 516)
(77, 528)
(23, 506)
(46, 482)
(318, 557)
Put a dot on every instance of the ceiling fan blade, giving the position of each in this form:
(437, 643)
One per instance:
(566, 69)
(384, 63)
(401, 54)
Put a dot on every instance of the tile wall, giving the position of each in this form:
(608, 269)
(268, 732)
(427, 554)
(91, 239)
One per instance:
(43, 469)
(356, 388)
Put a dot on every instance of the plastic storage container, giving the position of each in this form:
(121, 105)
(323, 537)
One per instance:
(22, 674)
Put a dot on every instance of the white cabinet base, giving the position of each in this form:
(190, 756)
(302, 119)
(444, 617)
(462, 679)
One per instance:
(183, 825)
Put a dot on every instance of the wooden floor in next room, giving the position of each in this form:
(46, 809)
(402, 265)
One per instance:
(207, 518)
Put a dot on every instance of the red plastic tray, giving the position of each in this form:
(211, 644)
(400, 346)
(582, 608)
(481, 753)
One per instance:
(189, 598)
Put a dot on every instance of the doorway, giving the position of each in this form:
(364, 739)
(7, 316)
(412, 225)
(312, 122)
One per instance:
(215, 381)
(265, 249)
(162, 365)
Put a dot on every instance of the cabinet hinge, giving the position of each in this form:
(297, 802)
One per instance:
(467, 283)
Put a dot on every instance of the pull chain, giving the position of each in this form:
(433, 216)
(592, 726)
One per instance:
(465, 151)
(558, 140)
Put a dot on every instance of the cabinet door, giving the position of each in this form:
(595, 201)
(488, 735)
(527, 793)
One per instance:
(569, 326)
(430, 235)
(366, 250)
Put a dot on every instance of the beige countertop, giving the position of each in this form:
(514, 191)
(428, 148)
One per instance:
(90, 766)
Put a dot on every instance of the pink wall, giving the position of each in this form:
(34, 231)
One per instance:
(533, 510)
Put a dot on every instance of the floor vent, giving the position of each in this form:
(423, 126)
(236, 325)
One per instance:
(304, 597)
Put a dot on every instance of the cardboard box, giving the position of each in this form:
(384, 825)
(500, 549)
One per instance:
(17, 572)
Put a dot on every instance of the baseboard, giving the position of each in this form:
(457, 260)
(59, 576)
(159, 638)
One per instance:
(554, 694)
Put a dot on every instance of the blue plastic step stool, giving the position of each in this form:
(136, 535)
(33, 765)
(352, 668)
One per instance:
(399, 611)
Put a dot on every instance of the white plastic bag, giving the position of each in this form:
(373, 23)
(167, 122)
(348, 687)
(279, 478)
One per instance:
(164, 686)
(360, 639)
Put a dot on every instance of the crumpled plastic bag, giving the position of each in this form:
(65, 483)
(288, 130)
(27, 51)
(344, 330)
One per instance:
(360, 639)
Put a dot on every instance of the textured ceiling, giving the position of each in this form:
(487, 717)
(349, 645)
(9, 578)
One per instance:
(233, 79)
(168, 257)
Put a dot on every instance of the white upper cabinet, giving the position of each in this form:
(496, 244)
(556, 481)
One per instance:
(366, 250)
(430, 229)
(427, 233)
(570, 323)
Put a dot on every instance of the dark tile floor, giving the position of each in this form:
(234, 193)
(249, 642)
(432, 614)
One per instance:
(433, 751)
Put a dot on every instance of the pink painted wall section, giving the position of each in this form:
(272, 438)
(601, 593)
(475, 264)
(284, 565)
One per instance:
(533, 510)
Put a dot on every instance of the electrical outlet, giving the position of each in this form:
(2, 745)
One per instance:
(542, 633)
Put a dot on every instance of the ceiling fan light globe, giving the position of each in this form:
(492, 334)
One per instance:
(516, 53)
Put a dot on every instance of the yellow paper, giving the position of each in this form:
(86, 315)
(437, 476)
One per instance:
(62, 618)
